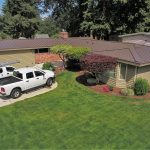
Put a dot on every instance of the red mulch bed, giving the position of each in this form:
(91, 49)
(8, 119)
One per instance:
(103, 88)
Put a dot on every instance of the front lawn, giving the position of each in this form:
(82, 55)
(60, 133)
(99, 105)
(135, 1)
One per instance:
(74, 117)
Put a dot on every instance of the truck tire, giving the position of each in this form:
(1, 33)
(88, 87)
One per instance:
(16, 93)
(49, 82)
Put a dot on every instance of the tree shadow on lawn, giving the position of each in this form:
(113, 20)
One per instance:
(82, 79)
(74, 68)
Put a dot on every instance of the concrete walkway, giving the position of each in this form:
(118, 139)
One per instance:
(4, 101)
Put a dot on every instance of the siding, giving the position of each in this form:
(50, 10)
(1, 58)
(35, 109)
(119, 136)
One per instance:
(26, 57)
(119, 83)
(144, 72)
(130, 78)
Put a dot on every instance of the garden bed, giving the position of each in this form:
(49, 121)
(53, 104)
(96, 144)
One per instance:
(102, 88)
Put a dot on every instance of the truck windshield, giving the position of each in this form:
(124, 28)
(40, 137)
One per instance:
(18, 74)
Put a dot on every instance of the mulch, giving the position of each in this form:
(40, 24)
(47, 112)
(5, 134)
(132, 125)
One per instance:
(81, 78)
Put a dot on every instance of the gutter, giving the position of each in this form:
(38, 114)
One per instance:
(4, 50)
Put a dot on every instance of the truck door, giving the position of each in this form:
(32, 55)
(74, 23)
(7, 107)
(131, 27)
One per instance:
(30, 81)
(40, 79)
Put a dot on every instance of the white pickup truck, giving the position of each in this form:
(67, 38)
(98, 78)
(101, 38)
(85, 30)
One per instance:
(6, 71)
(25, 79)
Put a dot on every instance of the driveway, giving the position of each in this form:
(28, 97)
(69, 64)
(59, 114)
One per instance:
(4, 101)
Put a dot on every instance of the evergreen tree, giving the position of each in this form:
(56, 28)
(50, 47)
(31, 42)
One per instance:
(106, 17)
(68, 14)
(48, 26)
(21, 18)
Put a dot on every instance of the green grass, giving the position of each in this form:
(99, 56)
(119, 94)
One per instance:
(74, 117)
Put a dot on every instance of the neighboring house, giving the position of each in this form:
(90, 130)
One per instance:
(133, 58)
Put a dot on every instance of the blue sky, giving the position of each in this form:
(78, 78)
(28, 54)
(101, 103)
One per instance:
(1, 3)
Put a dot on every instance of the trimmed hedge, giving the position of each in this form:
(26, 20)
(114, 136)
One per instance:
(141, 87)
(48, 66)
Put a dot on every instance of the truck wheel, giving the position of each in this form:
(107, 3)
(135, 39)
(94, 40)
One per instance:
(49, 82)
(16, 93)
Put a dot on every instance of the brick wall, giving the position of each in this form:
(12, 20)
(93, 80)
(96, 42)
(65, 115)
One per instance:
(46, 57)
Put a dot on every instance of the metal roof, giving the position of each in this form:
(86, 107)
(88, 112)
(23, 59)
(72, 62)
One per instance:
(134, 53)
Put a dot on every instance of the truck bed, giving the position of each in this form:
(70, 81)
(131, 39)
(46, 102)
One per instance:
(9, 80)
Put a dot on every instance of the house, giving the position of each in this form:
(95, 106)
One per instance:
(133, 55)
(27, 51)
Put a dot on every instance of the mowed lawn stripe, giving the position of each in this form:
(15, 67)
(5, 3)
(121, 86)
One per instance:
(75, 117)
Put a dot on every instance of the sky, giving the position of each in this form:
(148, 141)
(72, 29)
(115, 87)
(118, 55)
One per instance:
(1, 3)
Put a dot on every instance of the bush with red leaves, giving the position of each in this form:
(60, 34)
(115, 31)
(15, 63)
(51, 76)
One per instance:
(106, 89)
(97, 63)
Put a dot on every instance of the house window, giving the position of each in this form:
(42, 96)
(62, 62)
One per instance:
(36, 51)
(123, 71)
(42, 50)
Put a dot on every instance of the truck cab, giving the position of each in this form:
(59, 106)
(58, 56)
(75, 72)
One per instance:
(6, 71)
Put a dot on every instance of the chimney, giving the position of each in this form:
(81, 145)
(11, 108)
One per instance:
(63, 35)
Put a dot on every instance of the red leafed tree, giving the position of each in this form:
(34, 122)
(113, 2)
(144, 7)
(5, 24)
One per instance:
(96, 63)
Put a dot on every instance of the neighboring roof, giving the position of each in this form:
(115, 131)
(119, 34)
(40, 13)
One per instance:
(135, 34)
(142, 38)
(133, 53)
(139, 42)
(41, 36)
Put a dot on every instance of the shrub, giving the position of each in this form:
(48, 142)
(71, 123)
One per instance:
(141, 86)
(127, 92)
(106, 89)
(111, 87)
(92, 81)
(48, 66)
(98, 63)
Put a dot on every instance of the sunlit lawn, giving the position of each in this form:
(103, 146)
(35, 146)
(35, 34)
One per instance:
(74, 117)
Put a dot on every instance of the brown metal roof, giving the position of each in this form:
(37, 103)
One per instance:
(137, 54)
(25, 44)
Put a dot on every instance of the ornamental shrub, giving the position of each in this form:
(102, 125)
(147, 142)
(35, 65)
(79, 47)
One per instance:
(48, 66)
(111, 87)
(141, 87)
(96, 63)
(127, 92)
(106, 89)
(91, 81)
